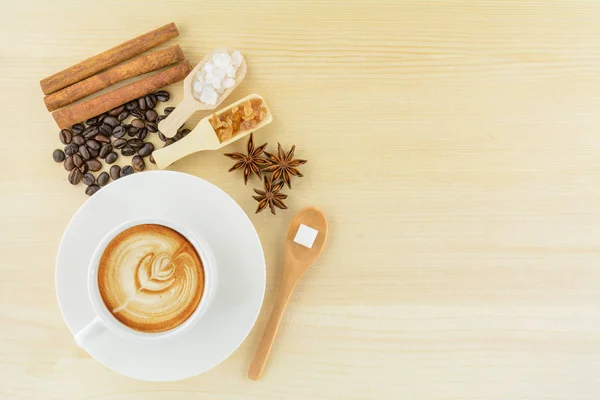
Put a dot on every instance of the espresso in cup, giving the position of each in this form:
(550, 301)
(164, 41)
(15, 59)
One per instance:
(151, 278)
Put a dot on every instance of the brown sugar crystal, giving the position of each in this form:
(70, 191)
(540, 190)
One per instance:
(238, 119)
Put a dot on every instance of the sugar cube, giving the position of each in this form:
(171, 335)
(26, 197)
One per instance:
(227, 83)
(306, 236)
(236, 58)
(209, 66)
(231, 71)
(221, 60)
(209, 96)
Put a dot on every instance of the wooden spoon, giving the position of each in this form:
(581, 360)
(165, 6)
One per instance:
(204, 137)
(191, 104)
(298, 259)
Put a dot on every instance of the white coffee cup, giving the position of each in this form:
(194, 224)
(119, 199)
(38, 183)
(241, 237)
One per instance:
(104, 320)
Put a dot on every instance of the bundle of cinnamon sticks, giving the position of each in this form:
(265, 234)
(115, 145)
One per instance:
(107, 68)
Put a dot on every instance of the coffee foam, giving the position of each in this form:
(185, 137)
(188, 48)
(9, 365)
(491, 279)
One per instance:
(151, 278)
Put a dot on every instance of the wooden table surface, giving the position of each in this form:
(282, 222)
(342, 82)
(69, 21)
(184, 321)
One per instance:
(454, 145)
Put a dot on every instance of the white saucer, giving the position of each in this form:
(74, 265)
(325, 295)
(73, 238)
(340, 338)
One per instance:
(196, 205)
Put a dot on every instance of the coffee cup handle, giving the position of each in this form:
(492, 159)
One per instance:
(91, 330)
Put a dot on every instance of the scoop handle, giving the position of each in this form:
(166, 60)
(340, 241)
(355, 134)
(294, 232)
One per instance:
(203, 137)
(178, 116)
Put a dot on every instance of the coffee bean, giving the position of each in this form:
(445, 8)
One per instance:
(132, 105)
(139, 114)
(105, 129)
(94, 165)
(94, 153)
(77, 160)
(150, 101)
(127, 151)
(152, 127)
(160, 118)
(71, 149)
(116, 111)
(151, 158)
(92, 121)
(119, 143)
(84, 168)
(138, 123)
(111, 121)
(132, 131)
(142, 133)
(103, 179)
(102, 139)
(75, 176)
(178, 136)
(162, 95)
(138, 163)
(111, 157)
(168, 110)
(119, 132)
(101, 117)
(146, 150)
(88, 179)
(161, 136)
(141, 104)
(169, 142)
(85, 153)
(90, 132)
(58, 155)
(127, 170)
(65, 136)
(92, 189)
(77, 129)
(115, 172)
(92, 144)
(104, 150)
(123, 116)
(69, 164)
(79, 140)
(135, 143)
(151, 115)
(185, 132)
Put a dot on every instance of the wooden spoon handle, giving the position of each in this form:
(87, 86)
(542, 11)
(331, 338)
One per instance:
(176, 151)
(178, 116)
(264, 347)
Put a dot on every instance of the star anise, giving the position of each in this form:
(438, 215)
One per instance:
(270, 196)
(283, 166)
(251, 162)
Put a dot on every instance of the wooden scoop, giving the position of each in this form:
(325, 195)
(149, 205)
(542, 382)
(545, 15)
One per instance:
(191, 104)
(204, 137)
(298, 258)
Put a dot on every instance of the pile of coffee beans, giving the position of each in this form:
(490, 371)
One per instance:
(123, 130)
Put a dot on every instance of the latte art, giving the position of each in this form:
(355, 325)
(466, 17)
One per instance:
(151, 278)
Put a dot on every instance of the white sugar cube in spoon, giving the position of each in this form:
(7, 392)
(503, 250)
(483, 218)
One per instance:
(228, 83)
(306, 236)
(209, 96)
(231, 70)
(236, 58)
(221, 60)
(209, 67)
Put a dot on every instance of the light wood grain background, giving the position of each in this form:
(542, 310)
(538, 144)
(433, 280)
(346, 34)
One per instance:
(454, 145)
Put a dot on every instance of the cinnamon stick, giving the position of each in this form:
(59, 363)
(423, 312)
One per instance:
(67, 116)
(108, 58)
(137, 66)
